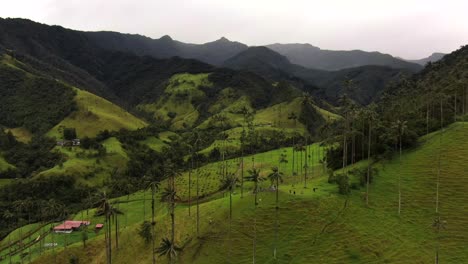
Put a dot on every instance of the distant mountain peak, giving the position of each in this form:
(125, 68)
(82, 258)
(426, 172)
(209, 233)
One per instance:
(166, 38)
(223, 39)
(435, 56)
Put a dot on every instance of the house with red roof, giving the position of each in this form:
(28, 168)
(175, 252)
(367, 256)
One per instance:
(69, 226)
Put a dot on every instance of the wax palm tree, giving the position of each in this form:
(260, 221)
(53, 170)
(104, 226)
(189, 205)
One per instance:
(276, 177)
(21, 206)
(169, 195)
(399, 128)
(229, 183)
(169, 249)
(438, 224)
(371, 117)
(153, 186)
(292, 116)
(54, 211)
(109, 212)
(254, 176)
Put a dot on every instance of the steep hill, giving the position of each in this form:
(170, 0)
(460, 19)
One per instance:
(313, 57)
(95, 114)
(32, 101)
(320, 225)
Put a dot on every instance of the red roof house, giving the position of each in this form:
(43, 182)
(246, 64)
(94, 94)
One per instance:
(70, 225)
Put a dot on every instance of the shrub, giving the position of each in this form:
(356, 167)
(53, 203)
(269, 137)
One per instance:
(145, 232)
(343, 184)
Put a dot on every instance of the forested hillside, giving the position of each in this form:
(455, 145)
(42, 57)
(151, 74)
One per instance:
(253, 159)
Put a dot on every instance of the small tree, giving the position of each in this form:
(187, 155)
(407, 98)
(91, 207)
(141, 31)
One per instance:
(343, 184)
(84, 236)
(145, 232)
(69, 133)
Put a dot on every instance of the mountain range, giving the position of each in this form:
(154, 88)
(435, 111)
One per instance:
(217, 52)
(136, 73)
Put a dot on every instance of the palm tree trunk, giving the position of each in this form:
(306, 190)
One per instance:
(242, 172)
(198, 206)
(427, 118)
(144, 204)
(110, 239)
(305, 170)
(399, 182)
(255, 238)
(255, 192)
(276, 218)
(440, 155)
(173, 214)
(153, 223)
(116, 219)
(368, 162)
(9, 248)
(53, 243)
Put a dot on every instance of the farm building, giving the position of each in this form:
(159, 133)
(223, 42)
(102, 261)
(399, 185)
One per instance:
(70, 226)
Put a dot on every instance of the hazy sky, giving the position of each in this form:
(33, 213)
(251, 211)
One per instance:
(406, 28)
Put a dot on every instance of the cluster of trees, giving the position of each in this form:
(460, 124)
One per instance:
(35, 103)
(29, 201)
(27, 158)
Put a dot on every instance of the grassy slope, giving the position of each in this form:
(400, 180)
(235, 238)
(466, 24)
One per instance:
(95, 114)
(21, 134)
(322, 226)
(172, 101)
(267, 120)
(4, 165)
(87, 168)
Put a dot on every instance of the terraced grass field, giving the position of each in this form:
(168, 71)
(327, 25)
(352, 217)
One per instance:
(318, 226)
(95, 114)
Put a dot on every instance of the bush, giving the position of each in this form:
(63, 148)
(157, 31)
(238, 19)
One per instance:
(69, 133)
(343, 184)
(145, 232)
(331, 176)
(74, 260)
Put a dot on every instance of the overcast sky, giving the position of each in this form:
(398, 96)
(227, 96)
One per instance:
(407, 28)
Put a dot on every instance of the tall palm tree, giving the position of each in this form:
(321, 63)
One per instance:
(292, 116)
(229, 183)
(254, 176)
(282, 159)
(21, 206)
(109, 212)
(170, 196)
(153, 186)
(400, 129)
(371, 116)
(276, 177)
(438, 224)
(54, 211)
